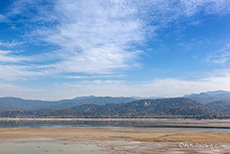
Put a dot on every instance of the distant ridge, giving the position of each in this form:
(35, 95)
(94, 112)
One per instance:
(21, 104)
(12, 103)
(210, 96)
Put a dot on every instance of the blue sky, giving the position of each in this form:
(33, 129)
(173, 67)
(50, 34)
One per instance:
(58, 49)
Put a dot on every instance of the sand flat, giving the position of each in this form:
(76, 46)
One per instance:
(123, 140)
(145, 135)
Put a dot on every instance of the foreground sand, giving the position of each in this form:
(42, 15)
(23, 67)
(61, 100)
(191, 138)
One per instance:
(146, 135)
(129, 140)
(126, 140)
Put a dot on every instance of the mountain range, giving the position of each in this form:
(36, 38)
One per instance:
(139, 108)
(209, 104)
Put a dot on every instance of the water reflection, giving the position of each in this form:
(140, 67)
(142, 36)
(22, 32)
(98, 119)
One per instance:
(114, 123)
(31, 123)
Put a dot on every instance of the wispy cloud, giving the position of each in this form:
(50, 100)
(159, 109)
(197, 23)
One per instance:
(95, 76)
(9, 90)
(94, 36)
(19, 72)
(220, 57)
(10, 44)
(2, 18)
(7, 57)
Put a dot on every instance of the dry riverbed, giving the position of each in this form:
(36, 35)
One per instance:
(125, 140)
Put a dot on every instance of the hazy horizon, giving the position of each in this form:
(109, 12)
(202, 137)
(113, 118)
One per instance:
(134, 97)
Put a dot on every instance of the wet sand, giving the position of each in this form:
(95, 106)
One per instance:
(127, 140)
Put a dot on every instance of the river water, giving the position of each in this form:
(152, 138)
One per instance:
(174, 124)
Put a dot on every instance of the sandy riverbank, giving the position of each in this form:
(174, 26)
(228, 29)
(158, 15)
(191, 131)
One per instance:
(146, 135)
(112, 140)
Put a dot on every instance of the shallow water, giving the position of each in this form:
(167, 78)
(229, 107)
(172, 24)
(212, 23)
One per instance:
(35, 147)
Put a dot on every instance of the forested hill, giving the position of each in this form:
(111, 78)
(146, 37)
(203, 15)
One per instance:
(222, 106)
(169, 106)
(6, 107)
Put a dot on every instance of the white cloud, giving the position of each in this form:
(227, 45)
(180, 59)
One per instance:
(14, 66)
(9, 90)
(15, 72)
(10, 44)
(169, 87)
(177, 87)
(95, 76)
(94, 37)
(207, 6)
(102, 60)
(220, 6)
(7, 56)
(220, 57)
(2, 18)
(12, 72)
